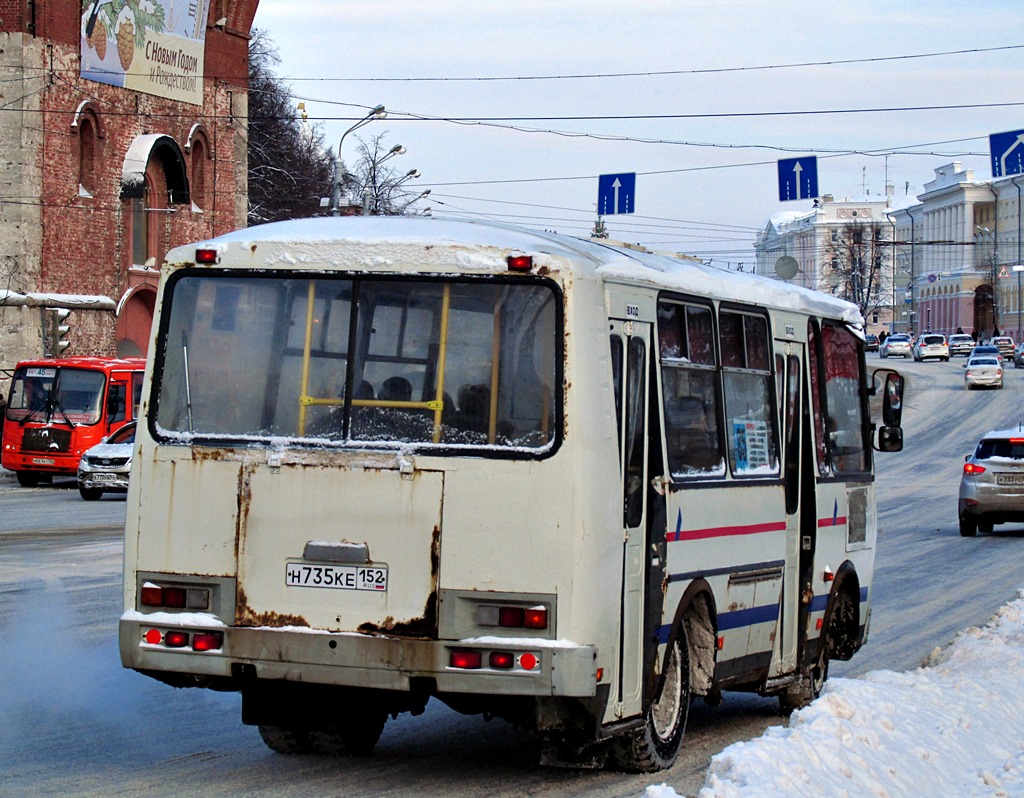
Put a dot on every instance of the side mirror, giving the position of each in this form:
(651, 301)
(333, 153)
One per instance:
(892, 401)
(890, 439)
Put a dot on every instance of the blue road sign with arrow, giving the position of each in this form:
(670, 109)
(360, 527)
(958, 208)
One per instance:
(798, 178)
(1007, 151)
(616, 193)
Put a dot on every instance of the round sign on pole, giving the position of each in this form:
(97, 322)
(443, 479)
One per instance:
(787, 267)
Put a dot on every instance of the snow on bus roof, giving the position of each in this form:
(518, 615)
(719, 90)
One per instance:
(380, 240)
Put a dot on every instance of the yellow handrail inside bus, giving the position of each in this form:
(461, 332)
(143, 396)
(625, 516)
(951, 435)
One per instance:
(492, 410)
(442, 355)
(304, 398)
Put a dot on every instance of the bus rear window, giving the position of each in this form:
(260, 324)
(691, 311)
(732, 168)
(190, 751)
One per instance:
(430, 363)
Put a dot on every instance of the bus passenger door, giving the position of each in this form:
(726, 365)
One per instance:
(630, 344)
(797, 462)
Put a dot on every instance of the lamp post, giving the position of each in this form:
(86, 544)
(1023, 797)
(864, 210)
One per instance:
(377, 113)
(1018, 268)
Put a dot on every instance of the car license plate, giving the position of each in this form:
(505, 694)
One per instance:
(1010, 479)
(104, 477)
(42, 461)
(337, 577)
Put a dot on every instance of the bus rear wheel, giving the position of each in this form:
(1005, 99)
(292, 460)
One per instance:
(357, 736)
(656, 744)
(286, 739)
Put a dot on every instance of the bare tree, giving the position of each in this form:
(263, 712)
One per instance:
(289, 170)
(855, 264)
(385, 188)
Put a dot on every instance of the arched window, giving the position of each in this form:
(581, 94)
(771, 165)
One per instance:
(87, 158)
(86, 124)
(153, 181)
(197, 184)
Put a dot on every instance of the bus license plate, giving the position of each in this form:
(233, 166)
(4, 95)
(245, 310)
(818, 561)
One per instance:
(338, 577)
(42, 461)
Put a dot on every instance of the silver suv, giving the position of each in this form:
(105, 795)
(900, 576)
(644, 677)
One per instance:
(992, 485)
(960, 344)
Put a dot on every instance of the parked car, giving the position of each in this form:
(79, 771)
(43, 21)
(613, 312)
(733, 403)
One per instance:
(985, 371)
(871, 343)
(960, 344)
(104, 468)
(992, 483)
(896, 345)
(931, 345)
(1018, 356)
(1005, 344)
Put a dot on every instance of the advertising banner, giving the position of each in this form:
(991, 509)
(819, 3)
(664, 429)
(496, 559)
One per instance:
(153, 46)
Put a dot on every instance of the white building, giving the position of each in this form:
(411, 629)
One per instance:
(962, 238)
(802, 240)
(954, 249)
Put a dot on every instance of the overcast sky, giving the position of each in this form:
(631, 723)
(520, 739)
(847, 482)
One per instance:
(722, 85)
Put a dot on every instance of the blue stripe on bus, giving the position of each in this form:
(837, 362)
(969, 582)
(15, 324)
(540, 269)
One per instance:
(755, 615)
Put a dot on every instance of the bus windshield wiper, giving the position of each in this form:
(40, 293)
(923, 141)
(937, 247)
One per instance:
(59, 408)
(28, 416)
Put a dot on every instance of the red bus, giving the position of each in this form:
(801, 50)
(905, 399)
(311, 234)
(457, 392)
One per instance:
(56, 409)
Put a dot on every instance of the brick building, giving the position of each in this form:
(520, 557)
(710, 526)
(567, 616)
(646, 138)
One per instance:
(122, 134)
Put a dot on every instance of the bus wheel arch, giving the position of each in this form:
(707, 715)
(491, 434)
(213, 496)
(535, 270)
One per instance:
(841, 626)
(697, 612)
(655, 744)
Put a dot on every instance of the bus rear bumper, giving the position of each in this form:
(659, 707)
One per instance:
(485, 666)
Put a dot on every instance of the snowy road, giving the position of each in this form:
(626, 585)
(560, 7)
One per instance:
(76, 723)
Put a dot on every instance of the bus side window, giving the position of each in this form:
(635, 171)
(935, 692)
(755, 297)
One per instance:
(616, 345)
(136, 393)
(116, 397)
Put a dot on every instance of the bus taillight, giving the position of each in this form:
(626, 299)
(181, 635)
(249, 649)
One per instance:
(513, 617)
(207, 641)
(467, 660)
(535, 618)
(501, 660)
(175, 598)
(175, 639)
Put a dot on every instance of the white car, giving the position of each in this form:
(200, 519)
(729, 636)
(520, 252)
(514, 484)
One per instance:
(104, 467)
(931, 345)
(985, 371)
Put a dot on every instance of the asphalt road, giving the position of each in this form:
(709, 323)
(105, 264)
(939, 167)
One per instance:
(76, 723)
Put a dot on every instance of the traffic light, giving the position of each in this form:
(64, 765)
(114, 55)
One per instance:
(60, 331)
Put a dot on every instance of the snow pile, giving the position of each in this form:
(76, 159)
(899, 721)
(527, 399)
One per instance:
(952, 727)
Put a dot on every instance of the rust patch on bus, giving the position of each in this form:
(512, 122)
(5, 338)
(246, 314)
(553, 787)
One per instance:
(426, 625)
(242, 516)
(246, 616)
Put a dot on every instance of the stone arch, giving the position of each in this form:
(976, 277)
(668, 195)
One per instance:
(167, 155)
(135, 320)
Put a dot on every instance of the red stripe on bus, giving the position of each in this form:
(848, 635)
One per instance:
(727, 531)
(837, 521)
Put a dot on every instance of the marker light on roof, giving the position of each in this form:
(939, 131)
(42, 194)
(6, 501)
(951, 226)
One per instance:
(520, 263)
(207, 256)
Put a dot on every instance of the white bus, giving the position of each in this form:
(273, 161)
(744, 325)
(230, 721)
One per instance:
(562, 482)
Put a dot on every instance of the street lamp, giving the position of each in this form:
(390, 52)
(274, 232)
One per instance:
(377, 113)
(1018, 268)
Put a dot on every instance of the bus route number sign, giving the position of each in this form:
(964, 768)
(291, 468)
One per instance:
(337, 577)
